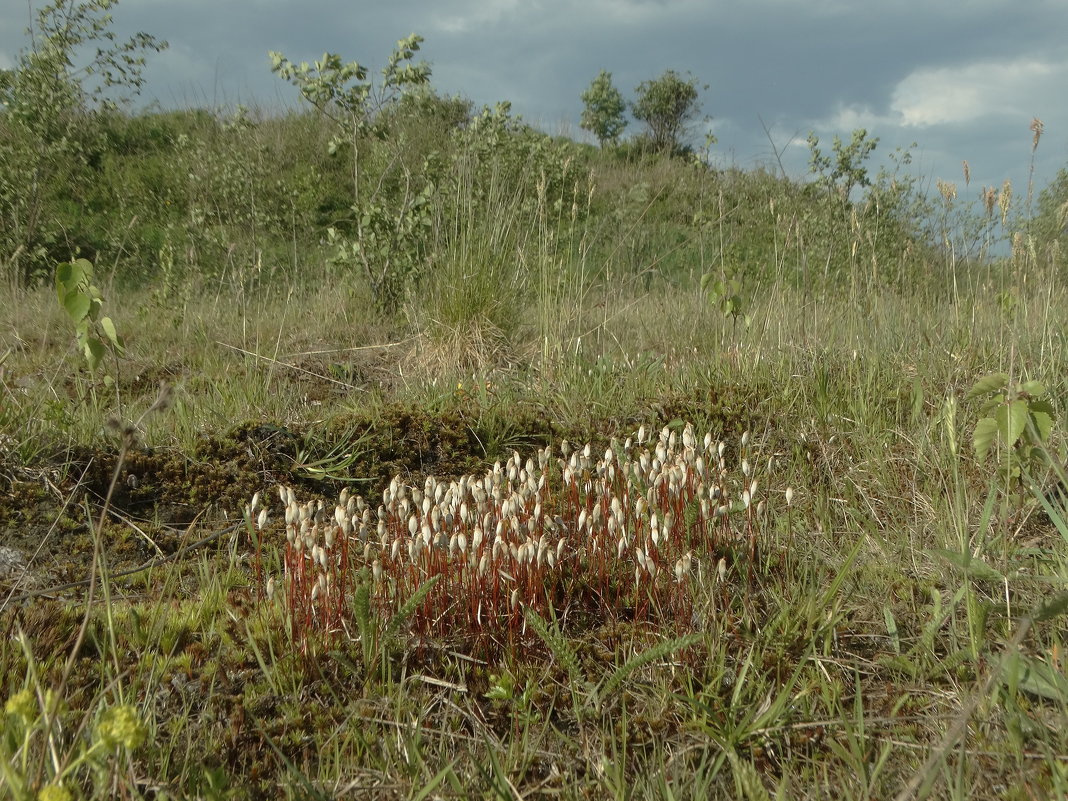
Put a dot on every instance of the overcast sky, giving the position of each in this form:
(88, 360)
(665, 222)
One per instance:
(961, 78)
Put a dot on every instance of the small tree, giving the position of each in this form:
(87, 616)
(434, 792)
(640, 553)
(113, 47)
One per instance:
(73, 67)
(390, 213)
(666, 106)
(844, 169)
(605, 107)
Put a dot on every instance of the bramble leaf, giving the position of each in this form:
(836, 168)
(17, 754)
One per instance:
(1012, 420)
(985, 432)
(1043, 423)
(988, 384)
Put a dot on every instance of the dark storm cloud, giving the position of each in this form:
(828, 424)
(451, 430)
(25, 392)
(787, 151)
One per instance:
(962, 80)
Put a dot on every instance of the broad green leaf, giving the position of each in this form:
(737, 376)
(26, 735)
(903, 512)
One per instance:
(1033, 388)
(988, 384)
(94, 352)
(84, 268)
(77, 305)
(985, 432)
(1043, 406)
(109, 330)
(63, 279)
(1012, 420)
(970, 565)
(992, 403)
(1043, 423)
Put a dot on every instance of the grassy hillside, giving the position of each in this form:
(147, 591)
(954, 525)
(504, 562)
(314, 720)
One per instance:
(801, 557)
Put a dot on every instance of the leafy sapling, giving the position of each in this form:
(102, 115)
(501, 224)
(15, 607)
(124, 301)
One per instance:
(83, 302)
(387, 230)
(1016, 424)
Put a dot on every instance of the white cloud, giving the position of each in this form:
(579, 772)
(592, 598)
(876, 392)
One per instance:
(993, 92)
(849, 118)
(971, 92)
(472, 16)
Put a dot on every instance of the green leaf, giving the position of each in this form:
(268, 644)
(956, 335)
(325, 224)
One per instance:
(94, 352)
(1033, 388)
(1012, 420)
(77, 305)
(985, 431)
(891, 629)
(64, 281)
(109, 330)
(988, 384)
(1052, 608)
(970, 565)
(1043, 423)
(992, 403)
(1039, 677)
